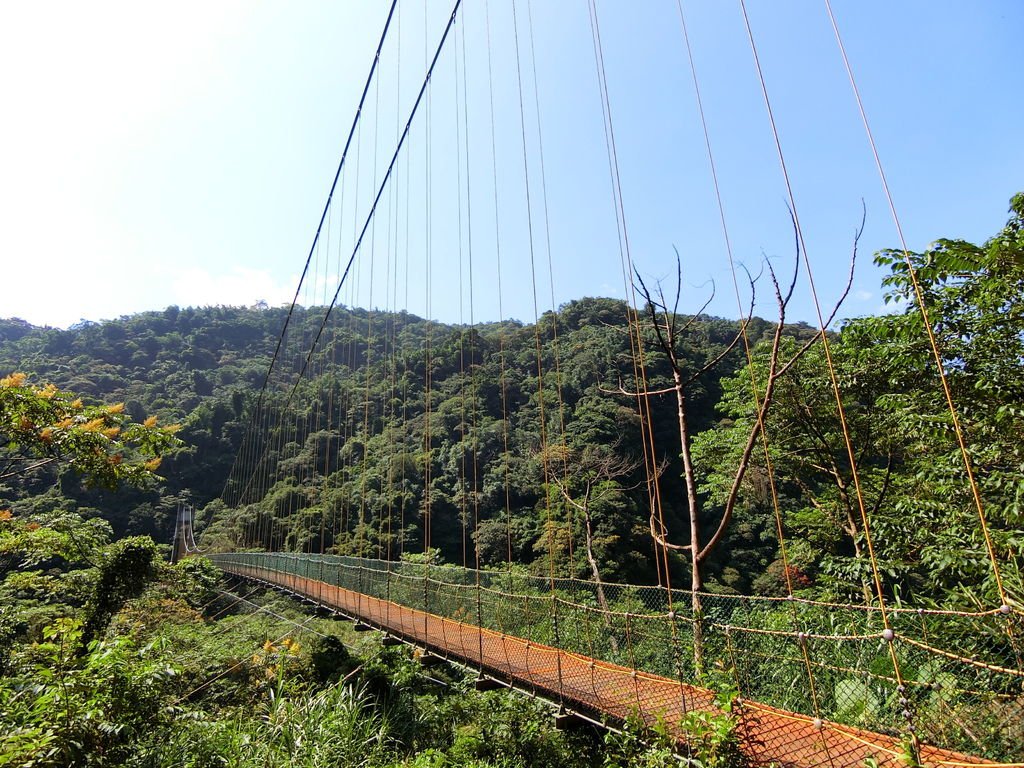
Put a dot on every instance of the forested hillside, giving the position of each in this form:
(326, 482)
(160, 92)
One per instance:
(194, 367)
(400, 409)
(521, 442)
(203, 368)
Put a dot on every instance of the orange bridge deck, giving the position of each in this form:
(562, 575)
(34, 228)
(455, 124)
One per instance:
(599, 689)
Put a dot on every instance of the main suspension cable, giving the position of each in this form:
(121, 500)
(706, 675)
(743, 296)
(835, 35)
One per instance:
(323, 216)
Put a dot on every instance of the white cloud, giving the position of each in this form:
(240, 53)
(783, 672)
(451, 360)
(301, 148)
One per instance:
(241, 286)
(90, 293)
(891, 308)
(91, 85)
(863, 295)
(64, 274)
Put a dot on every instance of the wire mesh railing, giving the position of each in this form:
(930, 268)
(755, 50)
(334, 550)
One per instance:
(960, 686)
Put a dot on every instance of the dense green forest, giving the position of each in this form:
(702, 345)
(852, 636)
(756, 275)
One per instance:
(506, 438)
(363, 419)
(203, 368)
(91, 678)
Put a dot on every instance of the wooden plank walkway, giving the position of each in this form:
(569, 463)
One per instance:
(599, 689)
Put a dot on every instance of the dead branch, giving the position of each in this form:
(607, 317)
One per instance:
(839, 302)
(740, 334)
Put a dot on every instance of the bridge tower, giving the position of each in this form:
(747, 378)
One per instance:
(184, 543)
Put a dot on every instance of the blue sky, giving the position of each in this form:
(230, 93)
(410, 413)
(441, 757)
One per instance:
(151, 157)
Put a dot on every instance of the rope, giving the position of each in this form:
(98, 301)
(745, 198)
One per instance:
(428, 294)
(636, 341)
(963, 659)
(545, 464)
(264, 609)
(919, 297)
(237, 664)
(323, 216)
(555, 348)
(826, 347)
(368, 362)
(506, 454)
(453, 587)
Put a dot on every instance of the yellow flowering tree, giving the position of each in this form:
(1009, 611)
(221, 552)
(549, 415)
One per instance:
(42, 425)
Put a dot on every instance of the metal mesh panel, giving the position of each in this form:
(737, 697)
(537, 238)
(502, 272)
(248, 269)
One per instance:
(828, 671)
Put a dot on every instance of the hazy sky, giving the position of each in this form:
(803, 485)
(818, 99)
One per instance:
(154, 155)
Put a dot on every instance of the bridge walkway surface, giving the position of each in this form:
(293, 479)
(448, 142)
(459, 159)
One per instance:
(601, 690)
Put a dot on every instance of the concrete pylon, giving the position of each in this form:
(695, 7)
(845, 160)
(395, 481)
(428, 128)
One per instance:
(183, 536)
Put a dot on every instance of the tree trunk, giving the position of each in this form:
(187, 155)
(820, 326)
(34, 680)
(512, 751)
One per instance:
(851, 531)
(596, 571)
(696, 582)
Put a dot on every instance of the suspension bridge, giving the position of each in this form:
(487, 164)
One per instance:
(423, 197)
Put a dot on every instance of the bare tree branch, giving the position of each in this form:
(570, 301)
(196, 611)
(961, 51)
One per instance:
(839, 302)
(8, 472)
(748, 448)
(652, 309)
(646, 393)
(732, 345)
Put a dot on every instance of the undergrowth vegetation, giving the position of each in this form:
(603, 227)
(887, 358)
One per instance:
(184, 672)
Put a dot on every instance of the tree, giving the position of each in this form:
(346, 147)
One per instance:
(127, 567)
(27, 540)
(929, 540)
(671, 337)
(973, 298)
(594, 481)
(808, 458)
(40, 426)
